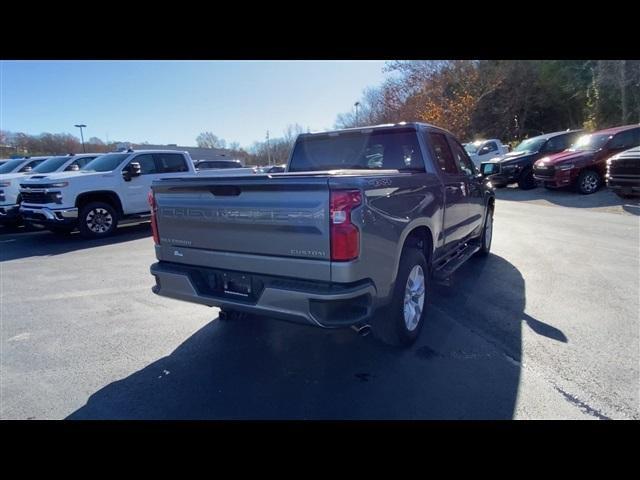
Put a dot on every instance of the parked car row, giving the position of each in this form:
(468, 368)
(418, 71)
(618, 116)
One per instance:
(571, 158)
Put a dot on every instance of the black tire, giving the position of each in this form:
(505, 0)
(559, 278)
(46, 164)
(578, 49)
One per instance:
(526, 180)
(389, 326)
(60, 230)
(589, 181)
(487, 235)
(226, 315)
(90, 228)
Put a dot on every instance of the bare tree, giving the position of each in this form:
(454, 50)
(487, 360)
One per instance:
(209, 140)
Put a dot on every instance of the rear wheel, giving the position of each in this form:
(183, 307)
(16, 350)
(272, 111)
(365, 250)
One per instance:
(97, 220)
(589, 182)
(400, 322)
(487, 234)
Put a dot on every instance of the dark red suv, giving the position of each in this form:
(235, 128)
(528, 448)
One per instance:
(583, 165)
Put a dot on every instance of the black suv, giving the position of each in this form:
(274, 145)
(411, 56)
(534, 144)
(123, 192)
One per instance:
(517, 165)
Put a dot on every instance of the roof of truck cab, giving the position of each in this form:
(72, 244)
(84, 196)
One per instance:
(366, 129)
(150, 151)
(547, 136)
(614, 130)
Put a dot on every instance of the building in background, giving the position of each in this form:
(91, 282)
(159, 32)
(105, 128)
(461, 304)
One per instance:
(196, 153)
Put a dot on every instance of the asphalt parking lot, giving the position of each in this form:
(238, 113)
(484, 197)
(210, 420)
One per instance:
(546, 327)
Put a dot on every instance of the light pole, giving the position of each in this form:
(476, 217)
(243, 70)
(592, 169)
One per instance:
(268, 149)
(357, 104)
(82, 136)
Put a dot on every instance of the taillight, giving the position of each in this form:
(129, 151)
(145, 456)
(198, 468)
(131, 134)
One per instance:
(154, 221)
(345, 236)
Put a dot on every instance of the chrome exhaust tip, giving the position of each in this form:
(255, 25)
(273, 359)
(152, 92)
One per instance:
(362, 330)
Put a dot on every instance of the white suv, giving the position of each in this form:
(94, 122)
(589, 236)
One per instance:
(110, 190)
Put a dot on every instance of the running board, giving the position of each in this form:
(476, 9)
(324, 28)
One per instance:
(142, 217)
(443, 273)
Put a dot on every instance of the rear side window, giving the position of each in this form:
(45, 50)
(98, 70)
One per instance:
(214, 164)
(396, 149)
(171, 163)
(442, 152)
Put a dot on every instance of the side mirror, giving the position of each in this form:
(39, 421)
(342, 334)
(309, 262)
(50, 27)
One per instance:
(132, 170)
(73, 168)
(27, 169)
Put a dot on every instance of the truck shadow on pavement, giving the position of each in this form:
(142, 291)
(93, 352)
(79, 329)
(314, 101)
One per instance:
(31, 242)
(465, 365)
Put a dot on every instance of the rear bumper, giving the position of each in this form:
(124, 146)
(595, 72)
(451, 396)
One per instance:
(321, 304)
(9, 212)
(48, 216)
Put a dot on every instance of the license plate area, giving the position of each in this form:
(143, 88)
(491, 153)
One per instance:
(237, 284)
(224, 284)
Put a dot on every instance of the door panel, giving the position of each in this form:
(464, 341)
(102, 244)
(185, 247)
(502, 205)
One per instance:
(455, 217)
(138, 188)
(474, 197)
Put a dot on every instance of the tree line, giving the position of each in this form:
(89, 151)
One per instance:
(506, 99)
(19, 143)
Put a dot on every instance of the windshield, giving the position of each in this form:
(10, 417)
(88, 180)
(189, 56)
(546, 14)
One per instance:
(105, 163)
(530, 145)
(50, 165)
(590, 142)
(471, 148)
(382, 149)
(11, 165)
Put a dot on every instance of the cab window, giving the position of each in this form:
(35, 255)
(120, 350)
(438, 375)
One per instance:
(463, 162)
(171, 163)
(31, 165)
(442, 152)
(625, 140)
(147, 164)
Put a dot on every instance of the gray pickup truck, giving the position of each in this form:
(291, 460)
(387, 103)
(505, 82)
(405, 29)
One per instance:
(351, 235)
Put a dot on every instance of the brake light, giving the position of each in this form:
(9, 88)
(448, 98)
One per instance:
(154, 221)
(345, 236)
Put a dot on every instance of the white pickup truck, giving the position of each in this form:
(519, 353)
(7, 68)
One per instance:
(483, 150)
(112, 189)
(10, 197)
(11, 172)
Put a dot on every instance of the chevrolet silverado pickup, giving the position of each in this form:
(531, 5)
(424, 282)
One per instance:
(10, 185)
(583, 165)
(11, 171)
(352, 234)
(517, 166)
(110, 190)
(484, 150)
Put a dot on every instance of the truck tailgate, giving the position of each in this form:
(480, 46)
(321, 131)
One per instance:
(280, 216)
